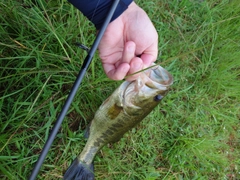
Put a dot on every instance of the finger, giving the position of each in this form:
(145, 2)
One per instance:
(135, 66)
(116, 73)
(128, 52)
(149, 55)
(147, 59)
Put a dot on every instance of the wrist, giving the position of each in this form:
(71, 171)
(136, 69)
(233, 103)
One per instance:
(96, 11)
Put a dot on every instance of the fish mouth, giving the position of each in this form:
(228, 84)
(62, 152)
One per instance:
(150, 83)
(160, 75)
(155, 78)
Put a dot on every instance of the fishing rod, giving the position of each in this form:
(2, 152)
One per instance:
(73, 92)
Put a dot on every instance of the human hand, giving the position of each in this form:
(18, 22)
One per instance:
(130, 44)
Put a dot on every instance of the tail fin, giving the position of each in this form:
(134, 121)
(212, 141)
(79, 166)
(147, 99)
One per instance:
(79, 171)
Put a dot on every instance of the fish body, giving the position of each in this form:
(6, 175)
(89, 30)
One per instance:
(129, 104)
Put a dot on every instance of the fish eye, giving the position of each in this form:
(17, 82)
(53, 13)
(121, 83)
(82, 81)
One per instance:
(158, 97)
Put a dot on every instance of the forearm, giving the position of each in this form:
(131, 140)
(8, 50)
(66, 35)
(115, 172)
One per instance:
(97, 10)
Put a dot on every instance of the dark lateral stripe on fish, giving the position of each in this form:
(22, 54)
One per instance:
(109, 132)
(112, 128)
(118, 125)
(98, 141)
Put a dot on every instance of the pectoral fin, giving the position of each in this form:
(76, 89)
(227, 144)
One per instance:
(114, 111)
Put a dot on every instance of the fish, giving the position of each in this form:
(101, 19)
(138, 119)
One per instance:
(127, 106)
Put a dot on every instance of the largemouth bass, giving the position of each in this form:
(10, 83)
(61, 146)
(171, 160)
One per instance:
(130, 103)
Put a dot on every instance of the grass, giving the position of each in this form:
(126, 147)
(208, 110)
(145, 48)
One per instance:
(193, 134)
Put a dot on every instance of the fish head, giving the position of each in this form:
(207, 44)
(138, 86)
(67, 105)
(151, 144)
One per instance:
(147, 90)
